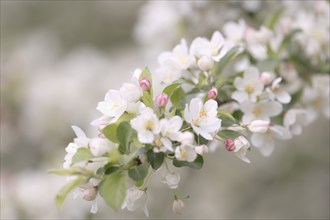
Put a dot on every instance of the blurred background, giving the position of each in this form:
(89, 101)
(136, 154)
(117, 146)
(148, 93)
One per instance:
(59, 58)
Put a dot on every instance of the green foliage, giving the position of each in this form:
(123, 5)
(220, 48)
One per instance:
(228, 134)
(113, 190)
(267, 65)
(155, 159)
(138, 173)
(168, 90)
(196, 164)
(81, 155)
(272, 20)
(60, 197)
(176, 96)
(147, 97)
(124, 136)
(110, 131)
(73, 171)
(226, 118)
(231, 54)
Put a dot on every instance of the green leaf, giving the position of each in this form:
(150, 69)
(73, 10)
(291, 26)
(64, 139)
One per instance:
(124, 136)
(113, 190)
(155, 159)
(228, 134)
(138, 173)
(168, 90)
(110, 131)
(60, 197)
(267, 65)
(226, 118)
(273, 18)
(69, 172)
(146, 74)
(196, 164)
(81, 155)
(231, 54)
(176, 96)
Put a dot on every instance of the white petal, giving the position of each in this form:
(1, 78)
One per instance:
(272, 108)
(175, 123)
(146, 137)
(267, 149)
(211, 107)
(283, 97)
(240, 96)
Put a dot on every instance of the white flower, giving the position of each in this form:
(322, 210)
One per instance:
(258, 126)
(172, 179)
(146, 125)
(203, 118)
(248, 87)
(205, 63)
(178, 206)
(278, 92)
(235, 31)
(114, 105)
(135, 198)
(168, 72)
(185, 152)
(131, 92)
(170, 130)
(265, 141)
(201, 149)
(260, 111)
(100, 146)
(81, 140)
(181, 55)
(241, 145)
(294, 119)
(87, 192)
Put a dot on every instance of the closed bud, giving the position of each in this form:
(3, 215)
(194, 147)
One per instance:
(145, 84)
(212, 93)
(258, 126)
(205, 63)
(161, 99)
(266, 78)
(89, 192)
(230, 145)
(178, 206)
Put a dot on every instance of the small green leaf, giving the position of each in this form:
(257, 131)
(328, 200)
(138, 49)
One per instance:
(226, 118)
(113, 190)
(60, 197)
(124, 136)
(69, 172)
(196, 164)
(231, 54)
(170, 88)
(138, 173)
(147, 99)
(81, 155)
(267, 65)
(155, 159)
(176, 96)
(228, 134)
(110, 131)
(273, 18)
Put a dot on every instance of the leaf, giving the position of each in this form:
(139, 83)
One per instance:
(69, 172)
(113, 190)
(176, 96)
(81, 155)
(138, 173)
(124, 136)
(110, 131)
(228, 134)
(168, 90)
(196, 164)
(231, 54)
(60, 197)
(267, 65)
(226, 118)
(273, 18)
(155, 159)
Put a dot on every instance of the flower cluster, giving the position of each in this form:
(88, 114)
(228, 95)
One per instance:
(273, 88)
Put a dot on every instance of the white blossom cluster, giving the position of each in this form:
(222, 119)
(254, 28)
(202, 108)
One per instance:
(275, 87)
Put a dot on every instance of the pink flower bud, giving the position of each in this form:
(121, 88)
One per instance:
(230, 145)
(145, 83)
(266, 78)
(213, 93)
(161, 99)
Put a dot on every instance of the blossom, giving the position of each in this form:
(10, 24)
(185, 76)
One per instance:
(294, 119)
(88, 192)
(168, 72)
(178, 206)
(265, 141)
(114, 105)
(186, 152)
(212, 94)
(100, 146)
(260, 111)
(172, 179)
(203, 118)
(241, 145)
(147, 125)
(135, 198)
(145, 83)
(248, 87)
(258, 126)
(170, 129)
(235, 31)
(131, 92)
(161, 99)
(277, 92)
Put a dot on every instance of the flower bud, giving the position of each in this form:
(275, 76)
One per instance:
(145, 84)
(172, 179)
(99, 146)
(89, 192)
(230, 145)
(205, 63)
(212, 93)
(178, 206)
(258, 126)
(161, 99)
(266, 78)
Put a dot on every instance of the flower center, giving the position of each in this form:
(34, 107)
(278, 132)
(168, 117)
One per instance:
(150, 125)
(249, 88)
(257, 111)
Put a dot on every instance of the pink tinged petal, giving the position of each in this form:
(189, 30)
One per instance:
(240, 96)
(283, 97)
(145, 136)
(258, 126)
